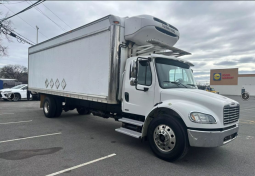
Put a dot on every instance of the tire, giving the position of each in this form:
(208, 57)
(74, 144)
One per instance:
(49, 107)
(16, 97)
(173, 132)
(58, 107)
(82, 111)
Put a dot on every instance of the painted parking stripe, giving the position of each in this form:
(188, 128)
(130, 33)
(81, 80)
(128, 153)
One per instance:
(31, 137)
(81, 165)
(6, 113)
(15, 122)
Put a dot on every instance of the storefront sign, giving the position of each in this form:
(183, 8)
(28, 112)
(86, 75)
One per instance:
(227, 76)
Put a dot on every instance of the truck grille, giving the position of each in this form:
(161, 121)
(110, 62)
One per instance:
(231, 114)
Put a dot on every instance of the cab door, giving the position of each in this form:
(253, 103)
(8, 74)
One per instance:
(139, 99)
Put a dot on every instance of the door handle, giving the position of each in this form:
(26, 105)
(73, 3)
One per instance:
(127, 96)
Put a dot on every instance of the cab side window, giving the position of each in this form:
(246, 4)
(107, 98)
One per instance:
(144, 76)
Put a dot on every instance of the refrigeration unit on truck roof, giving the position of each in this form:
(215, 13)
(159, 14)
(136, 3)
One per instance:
(140, 29)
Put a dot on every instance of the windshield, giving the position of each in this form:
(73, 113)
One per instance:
(17, 87)
(174, 74)
(212, 89)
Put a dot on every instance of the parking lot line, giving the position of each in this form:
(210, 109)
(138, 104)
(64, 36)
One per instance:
(15, 122)
(30, 137)
(81, 165)
(6, 113)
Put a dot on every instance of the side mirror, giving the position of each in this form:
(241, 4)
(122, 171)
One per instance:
(133, 82)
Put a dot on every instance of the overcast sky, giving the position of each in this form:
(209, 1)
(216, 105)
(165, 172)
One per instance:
(218, 34)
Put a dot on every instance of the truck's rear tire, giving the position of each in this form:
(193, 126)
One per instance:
(58, 107)
(49, 107)
(82, 111)
(167, 138)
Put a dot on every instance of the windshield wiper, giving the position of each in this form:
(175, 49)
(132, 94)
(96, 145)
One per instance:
(177, 83)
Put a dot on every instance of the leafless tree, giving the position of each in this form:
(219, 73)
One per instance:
(18, 72)
(4, 27)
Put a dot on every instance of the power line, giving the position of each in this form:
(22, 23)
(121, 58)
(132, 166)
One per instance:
(11, 33)
(48, 18)
(57, 16)
(25, 21)
(24, 37)
(29, 7)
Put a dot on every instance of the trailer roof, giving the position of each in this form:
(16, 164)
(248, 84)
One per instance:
(70, 31)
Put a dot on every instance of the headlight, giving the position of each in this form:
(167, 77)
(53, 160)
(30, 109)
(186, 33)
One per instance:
(198, 117)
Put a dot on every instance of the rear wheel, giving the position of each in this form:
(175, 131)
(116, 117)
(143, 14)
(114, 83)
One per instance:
(167, 138)
(49, 107)
(82, 111)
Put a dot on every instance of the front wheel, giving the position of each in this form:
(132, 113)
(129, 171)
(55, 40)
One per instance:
(167, 138)
(15, 97)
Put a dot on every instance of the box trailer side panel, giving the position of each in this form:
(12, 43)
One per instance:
(76, 67)
(81, 64)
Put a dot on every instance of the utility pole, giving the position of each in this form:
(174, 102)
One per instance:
(37, 34)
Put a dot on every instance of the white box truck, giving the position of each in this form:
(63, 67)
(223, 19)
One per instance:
(127, 69)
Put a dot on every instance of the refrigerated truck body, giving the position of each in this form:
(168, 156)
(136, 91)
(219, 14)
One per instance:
(127, 69)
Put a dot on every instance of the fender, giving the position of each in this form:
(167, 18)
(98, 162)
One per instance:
(180, 109)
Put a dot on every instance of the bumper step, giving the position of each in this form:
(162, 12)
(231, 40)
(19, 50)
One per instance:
(129, 132)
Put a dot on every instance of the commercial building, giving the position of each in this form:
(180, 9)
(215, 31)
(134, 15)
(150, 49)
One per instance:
(229, 82)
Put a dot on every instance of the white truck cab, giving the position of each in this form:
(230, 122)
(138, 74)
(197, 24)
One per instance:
(128, 69)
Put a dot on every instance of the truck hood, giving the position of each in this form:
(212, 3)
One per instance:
(196, 96)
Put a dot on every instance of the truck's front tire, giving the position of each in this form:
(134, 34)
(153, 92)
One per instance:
(49, 107)
(167, 138)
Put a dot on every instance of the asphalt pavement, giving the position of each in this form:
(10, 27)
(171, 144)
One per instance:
(31, 144)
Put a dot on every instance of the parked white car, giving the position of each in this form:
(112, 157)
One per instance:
(15, 93)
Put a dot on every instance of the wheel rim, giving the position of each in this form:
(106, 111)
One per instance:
(46, 107)
(164, 138)
(16, 97)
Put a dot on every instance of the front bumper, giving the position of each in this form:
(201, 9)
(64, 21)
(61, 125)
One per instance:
(199, 138)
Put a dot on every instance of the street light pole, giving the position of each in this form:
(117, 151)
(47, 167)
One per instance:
(37, 34)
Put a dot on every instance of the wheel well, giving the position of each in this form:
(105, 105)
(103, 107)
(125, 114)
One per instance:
(17, 93)
(156, 113)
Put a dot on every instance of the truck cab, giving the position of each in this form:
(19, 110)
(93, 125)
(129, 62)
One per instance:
(163, 90)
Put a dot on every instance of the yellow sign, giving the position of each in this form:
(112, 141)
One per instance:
(217, 76)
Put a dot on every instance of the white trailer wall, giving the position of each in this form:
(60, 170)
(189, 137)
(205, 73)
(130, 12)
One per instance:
(84, 67)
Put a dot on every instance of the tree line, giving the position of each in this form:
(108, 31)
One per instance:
(18, 72)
